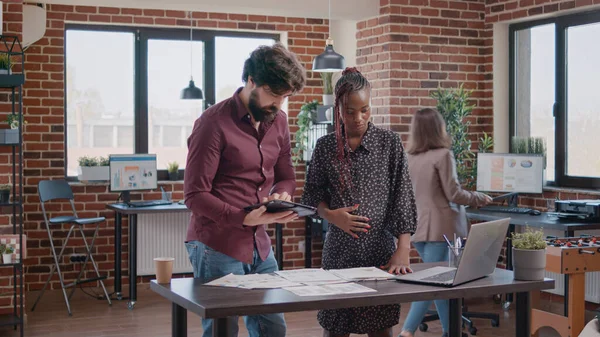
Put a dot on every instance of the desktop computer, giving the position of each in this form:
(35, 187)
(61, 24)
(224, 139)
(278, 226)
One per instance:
(134, 172)
(511, 174)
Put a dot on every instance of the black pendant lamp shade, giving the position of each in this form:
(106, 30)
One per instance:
(329, 60)
(192, 92)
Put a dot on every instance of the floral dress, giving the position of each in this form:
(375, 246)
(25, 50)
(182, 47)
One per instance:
(382, 187)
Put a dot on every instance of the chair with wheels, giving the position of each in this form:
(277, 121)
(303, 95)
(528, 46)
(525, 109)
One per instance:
(466, 319)
(49, 190)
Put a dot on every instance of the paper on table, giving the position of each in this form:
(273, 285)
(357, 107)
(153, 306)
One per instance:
(330, 289)
(362, 274)
(309, 276)
(253, 281)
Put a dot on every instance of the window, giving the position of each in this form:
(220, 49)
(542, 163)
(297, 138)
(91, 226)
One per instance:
(552, 95)
(123, 86)
(99, 93)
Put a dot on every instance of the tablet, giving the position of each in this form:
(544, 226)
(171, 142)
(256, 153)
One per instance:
(275, 206)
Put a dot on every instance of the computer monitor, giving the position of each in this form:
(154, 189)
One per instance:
(510, 173)
(132, 172)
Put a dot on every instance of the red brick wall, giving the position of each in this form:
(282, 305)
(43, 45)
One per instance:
(415, 46)
(44, 134)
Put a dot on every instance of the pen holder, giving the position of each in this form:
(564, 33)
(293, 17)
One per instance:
(454, 255)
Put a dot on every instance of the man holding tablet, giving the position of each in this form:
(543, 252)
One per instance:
(240, 155)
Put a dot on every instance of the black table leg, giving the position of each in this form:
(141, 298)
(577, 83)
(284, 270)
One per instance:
(455, 319)
(523, 315)
(279, 244)
(509, 266)
(179, 321)
(118, 255)
(220, 327)
(568, 234)
(132, 261)
(307, 242)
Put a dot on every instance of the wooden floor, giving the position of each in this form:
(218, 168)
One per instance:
(152, 317)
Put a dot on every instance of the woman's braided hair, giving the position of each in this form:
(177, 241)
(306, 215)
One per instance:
(351, 81)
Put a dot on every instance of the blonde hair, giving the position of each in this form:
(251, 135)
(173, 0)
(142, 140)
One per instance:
(427, 132)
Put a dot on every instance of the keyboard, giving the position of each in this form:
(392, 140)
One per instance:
(506, 209)
(442, 277)
(148, 203)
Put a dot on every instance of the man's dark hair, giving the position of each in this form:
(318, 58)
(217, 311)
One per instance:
(275, 67)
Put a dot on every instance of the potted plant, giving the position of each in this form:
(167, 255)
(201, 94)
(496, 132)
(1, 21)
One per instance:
(6, 250)
(531, 145)
(93, 169)
(529, 255)
(305, 119)
(173, 169)
(327, 88)
(11, 135)
(5, 193)
(5, 64)
(454, 106)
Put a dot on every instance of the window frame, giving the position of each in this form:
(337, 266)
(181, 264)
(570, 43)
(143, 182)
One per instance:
(560, 113)
(142, 35)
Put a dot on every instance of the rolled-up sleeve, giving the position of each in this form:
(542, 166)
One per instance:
(316, 187)
(204, 154)
(403, 206)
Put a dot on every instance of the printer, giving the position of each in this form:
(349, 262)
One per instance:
(588, 210)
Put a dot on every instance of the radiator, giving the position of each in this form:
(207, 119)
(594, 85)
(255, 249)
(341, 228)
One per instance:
(162, 235)
(592, 280)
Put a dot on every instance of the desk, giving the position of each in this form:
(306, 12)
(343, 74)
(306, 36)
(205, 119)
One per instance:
(132, 212)
(539, 221)
(218, 303)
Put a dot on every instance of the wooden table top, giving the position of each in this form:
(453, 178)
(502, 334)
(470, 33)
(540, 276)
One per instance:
(542, 220)
(172, 208)
(218, 302)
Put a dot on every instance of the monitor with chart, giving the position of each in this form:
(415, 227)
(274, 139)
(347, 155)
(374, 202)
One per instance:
(510, 173)
(132, 172)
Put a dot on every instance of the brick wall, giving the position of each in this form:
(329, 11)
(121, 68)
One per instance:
(413, 47)
(44, 134)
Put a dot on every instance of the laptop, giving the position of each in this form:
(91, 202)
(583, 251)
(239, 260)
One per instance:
(478, 260)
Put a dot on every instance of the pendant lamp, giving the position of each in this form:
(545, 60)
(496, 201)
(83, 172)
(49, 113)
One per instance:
(329, 60)
(191, 91)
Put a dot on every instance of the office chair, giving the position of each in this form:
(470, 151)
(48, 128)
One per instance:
(49, 190)
(466, 319)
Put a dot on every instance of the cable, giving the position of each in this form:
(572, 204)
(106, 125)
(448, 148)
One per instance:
(191, 49)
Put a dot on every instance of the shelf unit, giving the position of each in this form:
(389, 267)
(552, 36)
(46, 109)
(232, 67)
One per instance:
(13, 83)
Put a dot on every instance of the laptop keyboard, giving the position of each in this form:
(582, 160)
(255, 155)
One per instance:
(442, 277)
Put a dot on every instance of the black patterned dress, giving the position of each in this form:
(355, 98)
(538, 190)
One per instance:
(382, 187)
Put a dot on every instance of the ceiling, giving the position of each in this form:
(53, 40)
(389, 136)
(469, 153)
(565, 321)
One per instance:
(340, 9)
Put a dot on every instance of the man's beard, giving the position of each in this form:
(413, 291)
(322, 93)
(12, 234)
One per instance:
(261, 114)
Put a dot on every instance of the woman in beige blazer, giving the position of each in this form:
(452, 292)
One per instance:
(439, 198)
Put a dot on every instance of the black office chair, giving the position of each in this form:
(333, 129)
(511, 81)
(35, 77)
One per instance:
(466, 319)
(49, 190)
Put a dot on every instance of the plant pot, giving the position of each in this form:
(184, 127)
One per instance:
(174, 176)
(5, 71)
(93, 173)
(4, 196)
(327, 99)
(7, 258)
(9, 136)
(529, 265)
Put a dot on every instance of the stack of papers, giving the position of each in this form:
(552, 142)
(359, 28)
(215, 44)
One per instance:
(330, 289)
(311, 276)
(362, 274)
(307, 282)
(253, 281)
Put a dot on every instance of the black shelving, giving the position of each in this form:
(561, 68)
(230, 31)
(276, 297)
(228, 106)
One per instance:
(13, 82)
